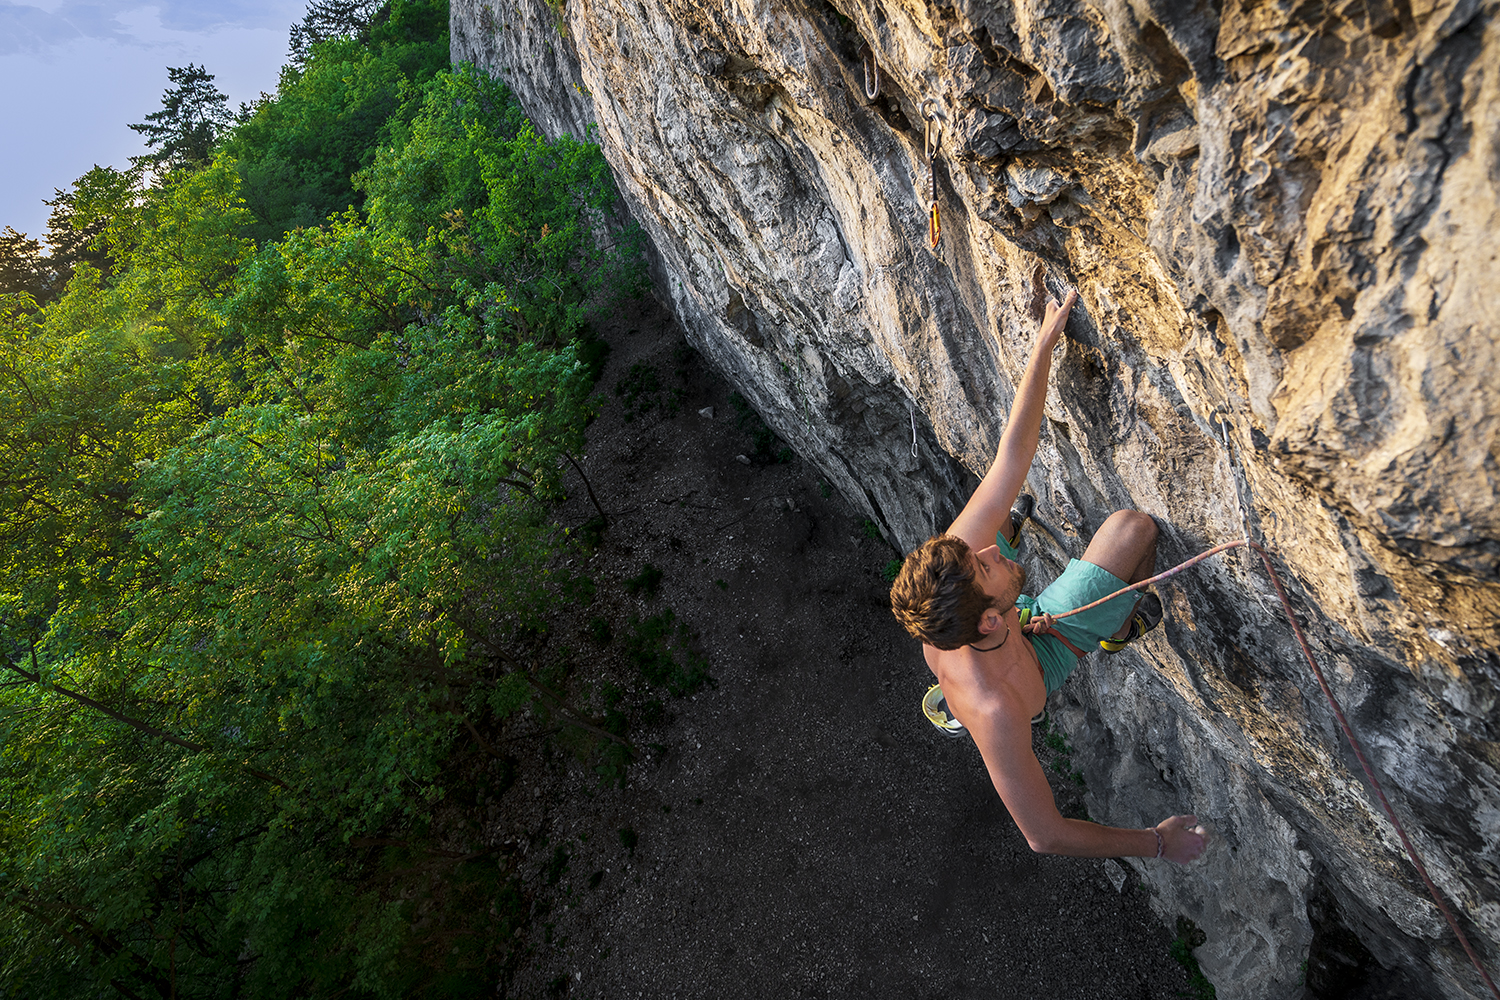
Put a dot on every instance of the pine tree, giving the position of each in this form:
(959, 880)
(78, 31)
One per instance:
(72, 239)
(193, 114)
(22, 267)
(327, 19)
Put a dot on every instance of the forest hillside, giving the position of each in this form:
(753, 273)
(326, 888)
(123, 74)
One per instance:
(283, 409)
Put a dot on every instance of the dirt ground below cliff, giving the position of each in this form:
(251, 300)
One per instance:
(797, 829)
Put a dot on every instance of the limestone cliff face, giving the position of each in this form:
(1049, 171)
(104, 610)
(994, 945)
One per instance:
(1282, 221)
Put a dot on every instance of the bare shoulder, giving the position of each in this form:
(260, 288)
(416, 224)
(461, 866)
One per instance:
(979, 696)
(994, 710)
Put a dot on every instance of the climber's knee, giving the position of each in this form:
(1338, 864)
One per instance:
(1123, 544)
(1133, 527)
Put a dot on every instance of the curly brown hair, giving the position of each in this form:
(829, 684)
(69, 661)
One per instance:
(935, 596)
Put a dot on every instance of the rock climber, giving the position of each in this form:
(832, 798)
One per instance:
(995, 664)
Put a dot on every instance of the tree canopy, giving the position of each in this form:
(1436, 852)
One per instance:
(328, 19)
(274, 486)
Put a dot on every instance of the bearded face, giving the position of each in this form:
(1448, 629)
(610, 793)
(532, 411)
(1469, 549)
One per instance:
(1001, 578)
(1018, 585)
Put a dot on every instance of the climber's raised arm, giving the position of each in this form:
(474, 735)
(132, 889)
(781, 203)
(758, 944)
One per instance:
(988, 510)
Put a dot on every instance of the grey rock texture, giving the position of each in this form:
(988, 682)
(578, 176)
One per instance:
(1281, 218)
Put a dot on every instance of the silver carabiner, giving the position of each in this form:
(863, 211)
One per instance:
(872, 74)
(932, 131)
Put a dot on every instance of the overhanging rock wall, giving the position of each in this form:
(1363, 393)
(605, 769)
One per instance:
(1281, 218)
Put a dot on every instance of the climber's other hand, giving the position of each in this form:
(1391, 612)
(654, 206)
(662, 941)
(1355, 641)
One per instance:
(1040, 623)
(1183, 838)
(1054, 320)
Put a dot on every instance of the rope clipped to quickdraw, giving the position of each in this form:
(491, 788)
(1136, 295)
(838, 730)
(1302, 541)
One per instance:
(932, 134)
(1333, 702)
(872, 73)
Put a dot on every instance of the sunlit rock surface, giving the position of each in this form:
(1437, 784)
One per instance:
(1282, 222)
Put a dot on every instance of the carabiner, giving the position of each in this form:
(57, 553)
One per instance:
(932, 131)
(872, 74)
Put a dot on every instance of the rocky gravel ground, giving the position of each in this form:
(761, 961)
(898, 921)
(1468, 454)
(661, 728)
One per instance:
(797, 829)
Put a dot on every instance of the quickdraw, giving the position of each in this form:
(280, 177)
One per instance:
(932, 135)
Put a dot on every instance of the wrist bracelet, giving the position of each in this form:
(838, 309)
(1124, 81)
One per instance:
(1159, 844)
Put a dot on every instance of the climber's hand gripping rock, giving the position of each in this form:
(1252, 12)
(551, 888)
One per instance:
(1054, 320)
(1183, 839)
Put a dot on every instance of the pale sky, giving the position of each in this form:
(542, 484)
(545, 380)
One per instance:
(75, 73)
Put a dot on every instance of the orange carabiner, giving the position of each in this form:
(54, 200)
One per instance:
(934, 226)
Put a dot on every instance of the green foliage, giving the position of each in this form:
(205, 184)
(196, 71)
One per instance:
(193, 113)
(647, 581)
(870, 528)
(23, 269)
(298, 152)
(649, 648)
(590, 534)
(275, 529)
(593, 351)
(1062, 761)
(638, 388)
(577, 590)
(641, 391)
(614, 759)
(892, 569)
(471, 179)
(328, 19)
(1189, 937)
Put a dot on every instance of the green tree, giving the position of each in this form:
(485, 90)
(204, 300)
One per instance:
(297, 153)
(193, 113)
(532, 222)
(71, 240)
(273, 530)
(328, 19)
(23, 270)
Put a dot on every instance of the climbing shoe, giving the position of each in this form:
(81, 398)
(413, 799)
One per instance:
(935, 707)
(1025, 504)
(1147, 617)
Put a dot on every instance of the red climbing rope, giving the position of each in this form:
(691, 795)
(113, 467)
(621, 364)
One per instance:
(1338, 713)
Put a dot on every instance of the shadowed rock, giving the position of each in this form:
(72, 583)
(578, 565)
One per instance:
(1281, 219)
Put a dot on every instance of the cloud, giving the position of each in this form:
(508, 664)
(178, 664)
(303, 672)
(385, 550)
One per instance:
(39, 26)
(24, 28)
(195, 15)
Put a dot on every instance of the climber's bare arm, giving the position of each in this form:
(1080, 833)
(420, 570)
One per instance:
(988, 510)
(1004, 740)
